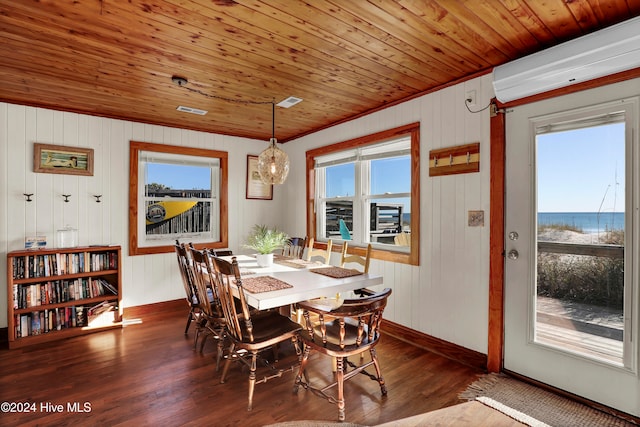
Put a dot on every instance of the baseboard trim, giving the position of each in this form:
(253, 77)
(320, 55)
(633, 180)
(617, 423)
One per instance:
(447, 349)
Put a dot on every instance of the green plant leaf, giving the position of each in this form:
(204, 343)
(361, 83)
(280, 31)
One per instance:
(265, 240)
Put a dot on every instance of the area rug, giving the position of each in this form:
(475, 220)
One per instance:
(534, 406)
(312, 423)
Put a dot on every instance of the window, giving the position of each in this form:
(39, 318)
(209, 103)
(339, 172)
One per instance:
(365, 191)
(180, 193)
(583, 230)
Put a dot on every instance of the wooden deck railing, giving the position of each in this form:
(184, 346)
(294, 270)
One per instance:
(609, 251)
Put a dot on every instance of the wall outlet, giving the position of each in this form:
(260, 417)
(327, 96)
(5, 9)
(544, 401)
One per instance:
(476, 218)
(470, 98)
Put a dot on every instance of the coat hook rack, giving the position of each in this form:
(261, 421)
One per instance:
(27, 197)
(462, 159)
(97, 196)
(66, 197)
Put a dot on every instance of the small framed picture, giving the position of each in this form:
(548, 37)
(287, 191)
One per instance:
(256, 189)
(62, 160)
(35, 242)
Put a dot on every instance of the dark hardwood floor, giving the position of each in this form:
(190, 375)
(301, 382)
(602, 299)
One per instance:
(150, 374)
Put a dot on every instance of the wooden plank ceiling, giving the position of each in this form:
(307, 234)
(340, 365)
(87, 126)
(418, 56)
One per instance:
(344, 58)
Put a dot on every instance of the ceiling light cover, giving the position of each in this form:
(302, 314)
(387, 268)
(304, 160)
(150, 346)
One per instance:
(289, 102)
(273, 163)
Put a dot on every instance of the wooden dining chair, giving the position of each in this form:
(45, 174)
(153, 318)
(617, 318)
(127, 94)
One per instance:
(250, 333)
(211, 320)
(295, 247)
(221, 252)
(364, 261)
(324, 253)
(188, 283)
(349, 330)
(402, 239)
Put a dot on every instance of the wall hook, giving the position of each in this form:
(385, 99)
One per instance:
(97, 197)
(27, 197)
(66, 197)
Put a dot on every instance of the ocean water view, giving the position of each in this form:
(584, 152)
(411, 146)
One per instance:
(588, 222)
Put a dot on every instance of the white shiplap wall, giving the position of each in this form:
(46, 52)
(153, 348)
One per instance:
(446, 296)
(146, 279)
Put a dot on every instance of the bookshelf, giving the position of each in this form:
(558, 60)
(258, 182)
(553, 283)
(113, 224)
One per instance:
(61, 293)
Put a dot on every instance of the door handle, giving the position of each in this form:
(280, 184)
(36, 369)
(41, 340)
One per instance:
(513, 254)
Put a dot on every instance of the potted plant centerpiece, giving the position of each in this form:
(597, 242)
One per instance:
(265, 240)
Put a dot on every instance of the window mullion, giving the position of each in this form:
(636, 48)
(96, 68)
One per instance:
(320, 203)
(363, 191)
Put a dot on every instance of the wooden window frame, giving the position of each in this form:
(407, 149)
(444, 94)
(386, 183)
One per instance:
(135, 148)
(412, 130)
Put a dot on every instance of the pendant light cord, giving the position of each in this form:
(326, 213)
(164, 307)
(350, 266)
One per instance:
(273, 119)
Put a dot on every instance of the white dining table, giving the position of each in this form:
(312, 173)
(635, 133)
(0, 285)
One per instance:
(304, 283)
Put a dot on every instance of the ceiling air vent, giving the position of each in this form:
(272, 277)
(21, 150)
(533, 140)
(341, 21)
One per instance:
(289, 102)
(191, 110)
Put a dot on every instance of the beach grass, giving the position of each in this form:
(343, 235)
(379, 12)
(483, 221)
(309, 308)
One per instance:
(594, 280)
(559, 227)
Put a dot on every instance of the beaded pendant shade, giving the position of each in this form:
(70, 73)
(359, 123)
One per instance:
(273, 163)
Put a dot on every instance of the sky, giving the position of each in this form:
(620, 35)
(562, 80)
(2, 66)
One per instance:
(582, 170)
(388, 176)
(179, 177)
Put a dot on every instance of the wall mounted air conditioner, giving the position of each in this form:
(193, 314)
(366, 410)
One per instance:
(608, 51)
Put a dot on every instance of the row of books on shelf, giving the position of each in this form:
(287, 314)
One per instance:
(58, 291)
(45, 321)
(39, 265)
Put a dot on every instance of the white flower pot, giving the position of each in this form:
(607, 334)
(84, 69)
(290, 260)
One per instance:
(264, 260)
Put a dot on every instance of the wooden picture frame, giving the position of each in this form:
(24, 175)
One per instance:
(256, 189)
(59, 159)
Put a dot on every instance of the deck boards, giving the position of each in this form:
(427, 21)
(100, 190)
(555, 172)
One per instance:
(592, 331)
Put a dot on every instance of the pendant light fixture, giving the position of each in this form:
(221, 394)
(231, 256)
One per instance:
(273, 163)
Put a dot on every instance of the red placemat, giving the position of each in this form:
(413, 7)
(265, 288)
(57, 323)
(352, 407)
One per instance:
(336, 272)
(259, 284)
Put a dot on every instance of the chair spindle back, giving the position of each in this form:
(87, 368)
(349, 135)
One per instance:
(228, 274)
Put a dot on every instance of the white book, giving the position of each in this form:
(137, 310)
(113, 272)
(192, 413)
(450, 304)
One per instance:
(24, 325)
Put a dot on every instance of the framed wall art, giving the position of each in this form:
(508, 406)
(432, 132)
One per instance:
(256, 189)
(62, 160)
